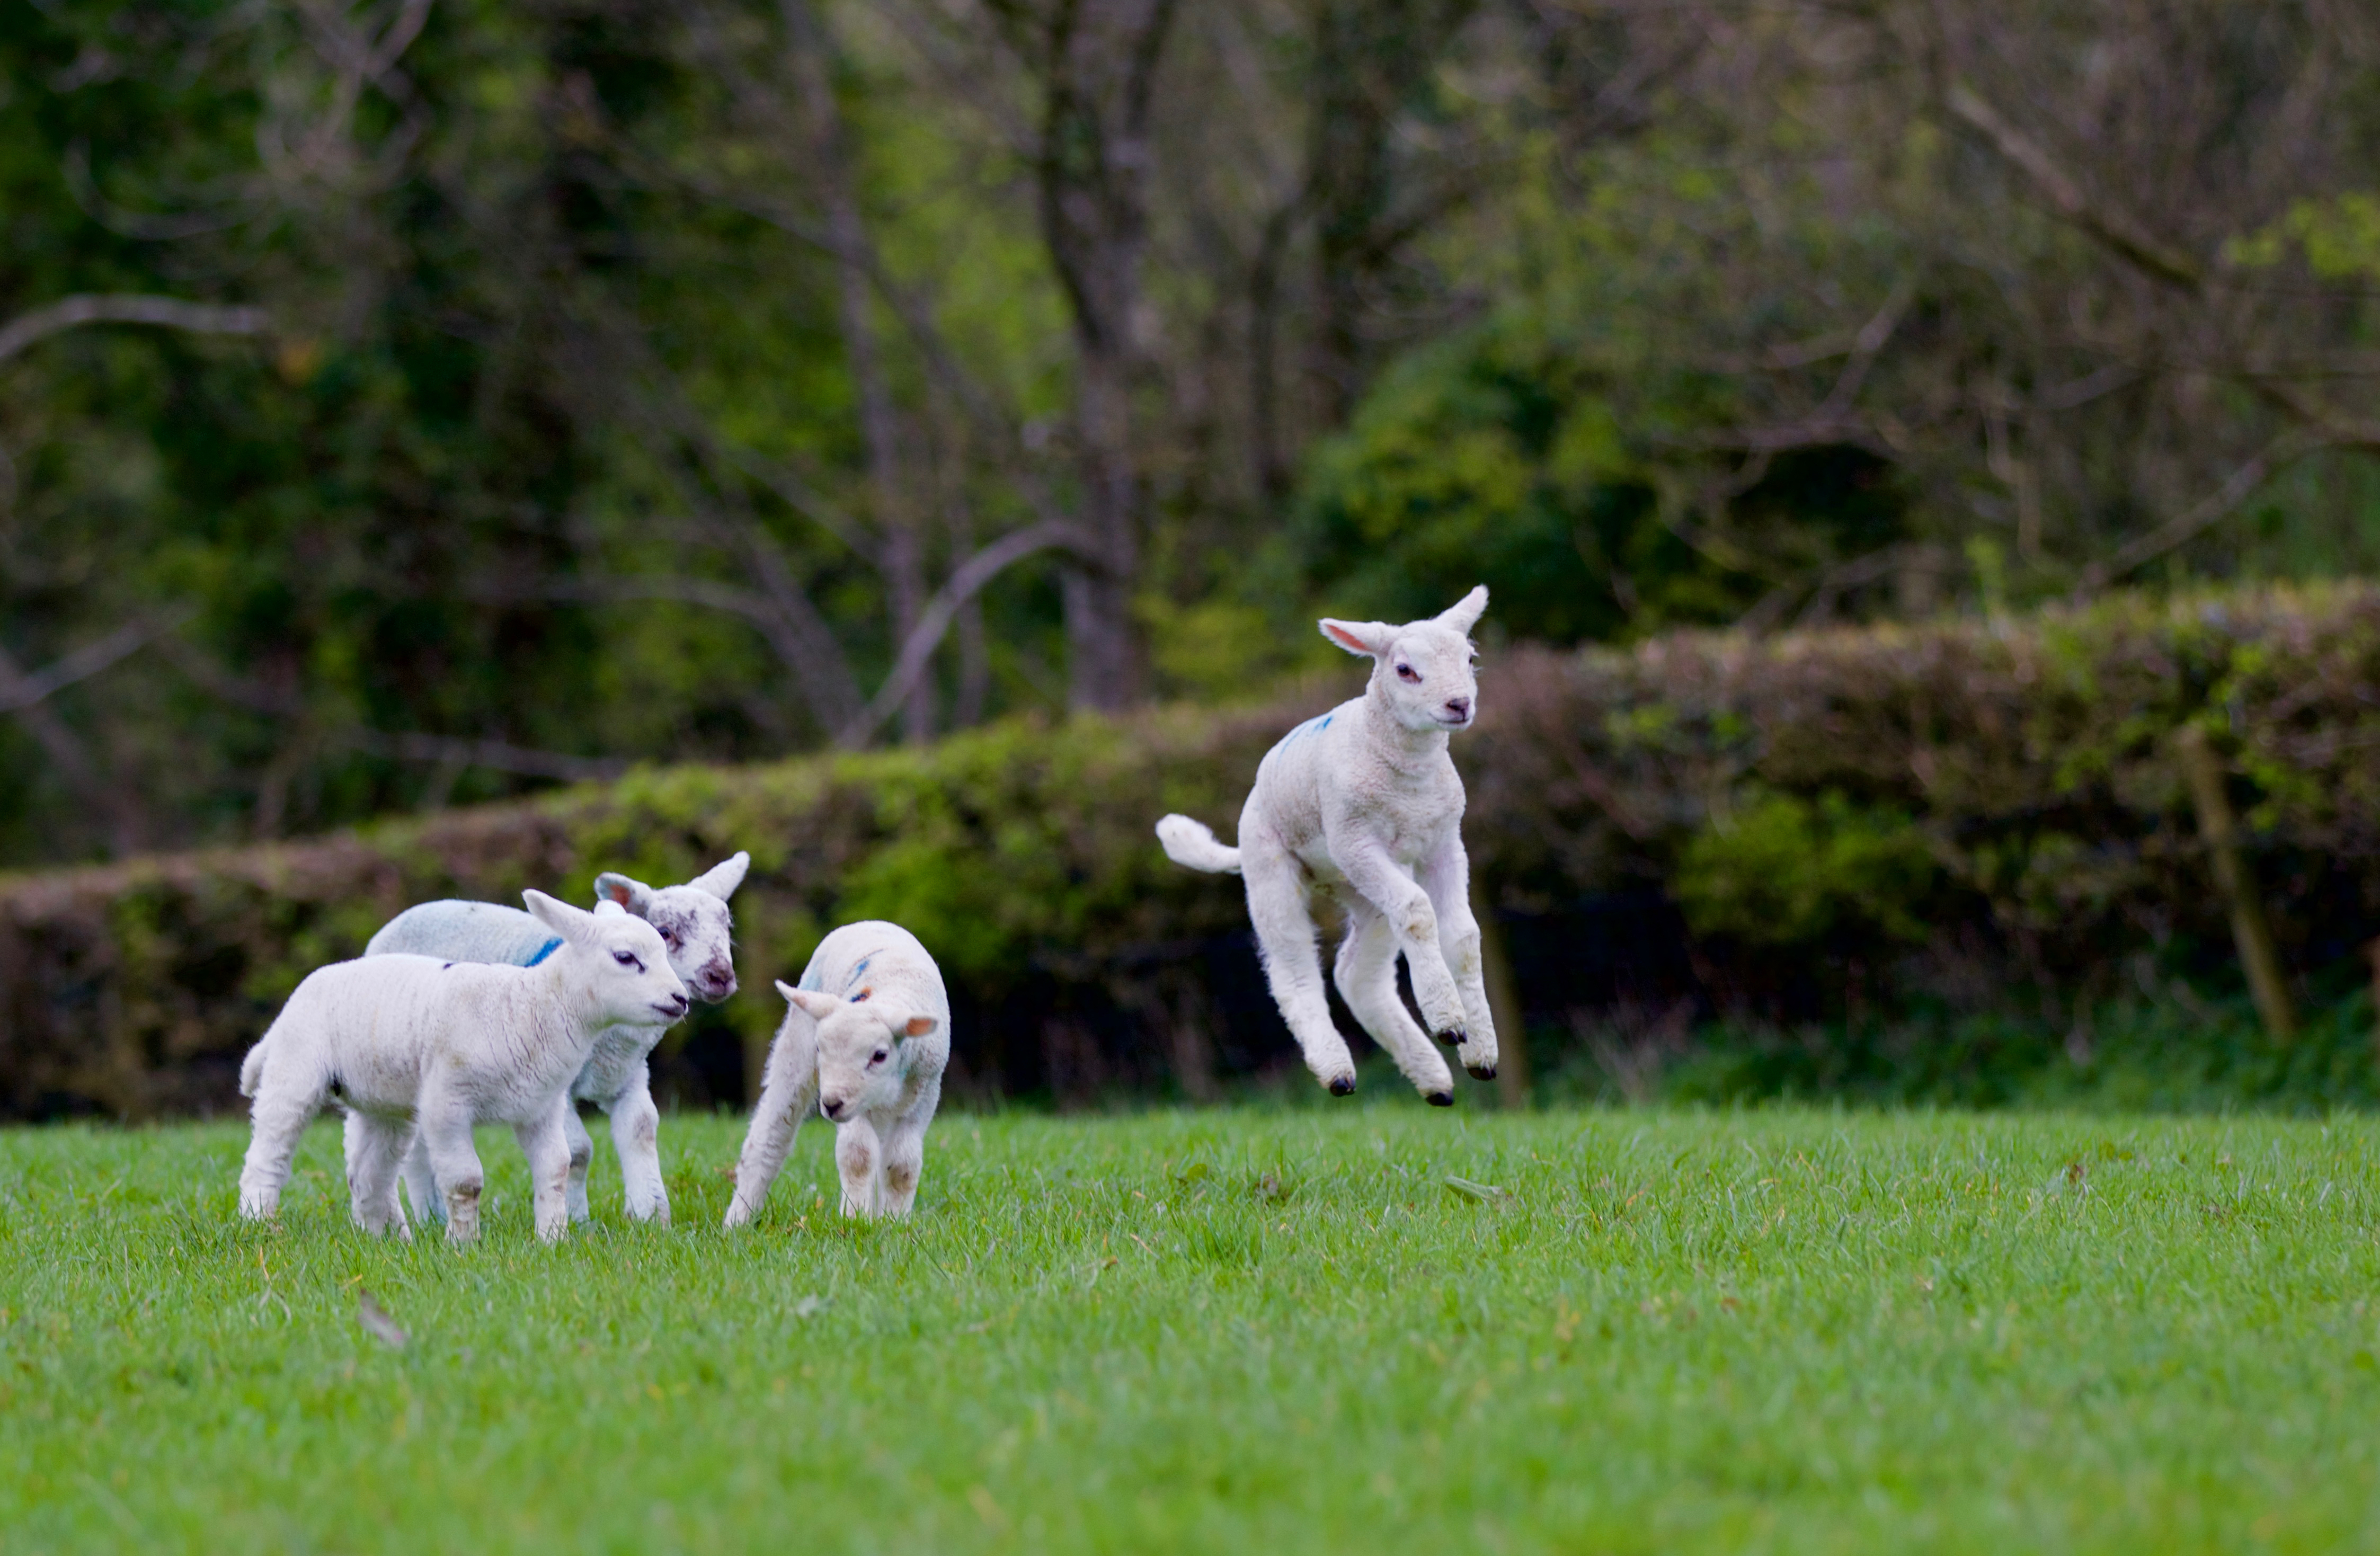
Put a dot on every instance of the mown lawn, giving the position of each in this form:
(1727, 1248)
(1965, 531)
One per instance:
(1240, 1331)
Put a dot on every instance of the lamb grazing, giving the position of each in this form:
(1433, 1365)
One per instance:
(1364, 803)
(413, 1045)
(695, 927)
(865, 1038)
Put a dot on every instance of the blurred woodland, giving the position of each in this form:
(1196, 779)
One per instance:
(405, 403)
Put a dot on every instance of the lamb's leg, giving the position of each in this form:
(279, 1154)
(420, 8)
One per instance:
(636, 1135)
(582, 1156)
(788, 1095)
(546, 1142)
(859, 1158)
(1284, 926)
(904, 1153)
(277, 1119)
(1446, 876)
(376, 1149)
(421, 1184)
(456, 1161)
(1366, 976)
(1411, 913)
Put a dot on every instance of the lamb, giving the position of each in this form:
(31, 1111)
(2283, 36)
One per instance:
(413, 1045)
(695, 927)
(1364, 803)
(866, 1037)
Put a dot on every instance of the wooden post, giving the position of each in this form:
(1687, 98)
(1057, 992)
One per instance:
(2220, 833)
(1503, 1004)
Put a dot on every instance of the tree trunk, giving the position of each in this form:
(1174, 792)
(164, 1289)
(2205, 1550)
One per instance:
(901, 553)
(1095, 62)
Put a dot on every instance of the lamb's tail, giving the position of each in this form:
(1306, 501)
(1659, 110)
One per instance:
(252, 1068)
(1193, 843)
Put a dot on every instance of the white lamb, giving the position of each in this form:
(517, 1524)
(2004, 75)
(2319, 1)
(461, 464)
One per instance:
(865, 1038)
(411, 1045)
(1364, 803)
(698, 929)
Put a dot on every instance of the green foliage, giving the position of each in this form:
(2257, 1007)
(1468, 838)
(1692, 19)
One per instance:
(1783, 870)
(1497, 458)
(1529, 458)
(1869, 817)
(1675, 1330)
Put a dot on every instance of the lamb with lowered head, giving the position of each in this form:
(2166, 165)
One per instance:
(865, 1040)
(1364, 803)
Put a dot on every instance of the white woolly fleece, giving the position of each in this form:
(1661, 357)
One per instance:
(1364, 803)
(868, 1032)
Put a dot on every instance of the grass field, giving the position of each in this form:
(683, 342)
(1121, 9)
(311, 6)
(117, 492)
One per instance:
(1265, 1331)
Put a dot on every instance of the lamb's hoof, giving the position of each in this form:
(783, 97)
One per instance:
(1343, 1086)
(1480, 1072)
(1454, 1037)
(1438, 1098)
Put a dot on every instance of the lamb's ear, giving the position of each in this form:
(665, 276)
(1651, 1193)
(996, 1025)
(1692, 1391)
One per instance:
(818, 1006)
(574, 924)
(634, 895)
(1465, 613)
(917, 1025)
(721, 879)
(1367, 638)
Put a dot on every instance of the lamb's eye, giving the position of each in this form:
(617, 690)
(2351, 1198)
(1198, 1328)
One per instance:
(881, 1055)
(627, 959)
(669, 938)
(1407, 673)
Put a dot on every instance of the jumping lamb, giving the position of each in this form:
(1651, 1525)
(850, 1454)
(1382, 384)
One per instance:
(412, 1045)
(1364, 803)
(697, 928)
(865, 1038)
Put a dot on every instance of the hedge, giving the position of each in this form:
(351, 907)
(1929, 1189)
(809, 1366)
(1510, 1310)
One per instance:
(1981, 815)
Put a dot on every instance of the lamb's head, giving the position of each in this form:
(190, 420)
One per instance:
(1423, 673)
(693, 921)
(862, 1048)
(617, 957)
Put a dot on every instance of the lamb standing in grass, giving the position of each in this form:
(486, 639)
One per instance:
(698, 929)
(865, 1038)
(413, 1045)
(1364, 803)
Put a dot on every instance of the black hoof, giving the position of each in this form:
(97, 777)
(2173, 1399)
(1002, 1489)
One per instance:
(1481, 1071)
(1438, 1098)
(1454, 1037)
(1343, 1086)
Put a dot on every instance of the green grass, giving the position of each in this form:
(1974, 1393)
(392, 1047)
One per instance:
(1255, 1331)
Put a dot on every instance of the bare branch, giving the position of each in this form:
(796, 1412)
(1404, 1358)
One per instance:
(499, 756)
(2203, 515)
(128, 308)
(2103, 219)
(934, 621)
(20, 691)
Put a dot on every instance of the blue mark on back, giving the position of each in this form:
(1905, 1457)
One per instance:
(548, 949)
(858, 973)
(1311, 726)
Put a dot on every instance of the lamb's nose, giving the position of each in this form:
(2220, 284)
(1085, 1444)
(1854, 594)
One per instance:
(1459, 706)
(832, 1107)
